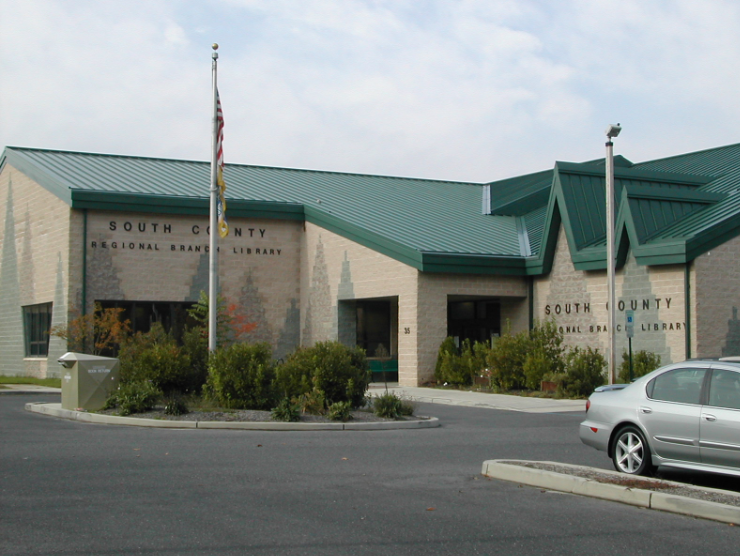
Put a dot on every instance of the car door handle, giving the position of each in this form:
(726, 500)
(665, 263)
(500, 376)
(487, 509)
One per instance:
(709, 417)
(645, 410)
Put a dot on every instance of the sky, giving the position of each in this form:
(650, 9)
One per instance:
(463, 90)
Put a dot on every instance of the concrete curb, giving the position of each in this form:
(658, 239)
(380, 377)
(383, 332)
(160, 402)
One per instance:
(55, 410)
(508, 470)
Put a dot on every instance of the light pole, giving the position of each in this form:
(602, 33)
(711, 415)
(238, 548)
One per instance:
(611, 132)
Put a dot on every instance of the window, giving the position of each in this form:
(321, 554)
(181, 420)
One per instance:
(142, 314)
(36, 325)
(680, 385)
(374, 328)
(724, 389)
(475, 320)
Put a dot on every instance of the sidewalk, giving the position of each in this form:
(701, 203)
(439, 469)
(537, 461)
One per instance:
(480, 399)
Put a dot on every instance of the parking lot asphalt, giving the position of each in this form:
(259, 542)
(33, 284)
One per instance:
(563, 482)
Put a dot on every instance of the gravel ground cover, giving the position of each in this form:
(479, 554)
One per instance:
(244, 415)
(643, 483)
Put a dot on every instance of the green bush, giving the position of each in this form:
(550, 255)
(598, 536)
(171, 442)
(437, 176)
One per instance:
(506, 361)
(286, 411)
(240, 376)
(388, 406)
(544, 353)
(313, 402)
(584, 373)
(339, 372)
(340, 411)
(447, 350)
(460, 369)
(643, 362)
(195, 346)
(175, 405)
(134, 397)
(155, 356)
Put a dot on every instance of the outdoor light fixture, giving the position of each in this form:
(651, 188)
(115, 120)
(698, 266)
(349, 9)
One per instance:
(611, 132)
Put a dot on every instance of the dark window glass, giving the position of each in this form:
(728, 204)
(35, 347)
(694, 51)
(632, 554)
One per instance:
(476, 321)
(374, 327)
(724, 389)
(172, 316)
(679, 385)
(36, 325)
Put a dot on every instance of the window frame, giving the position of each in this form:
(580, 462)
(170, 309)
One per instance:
(650, 386)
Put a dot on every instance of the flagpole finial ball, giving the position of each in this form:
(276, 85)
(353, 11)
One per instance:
(214, 46)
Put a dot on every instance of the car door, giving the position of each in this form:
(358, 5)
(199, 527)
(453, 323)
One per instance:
(670, 413)
(720, 420)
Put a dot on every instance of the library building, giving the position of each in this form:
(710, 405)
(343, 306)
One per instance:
(391, 264)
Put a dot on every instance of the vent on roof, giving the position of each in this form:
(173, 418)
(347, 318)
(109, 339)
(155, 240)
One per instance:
(486, 199)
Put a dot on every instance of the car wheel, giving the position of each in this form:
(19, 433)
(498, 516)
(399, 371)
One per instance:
(631, 453)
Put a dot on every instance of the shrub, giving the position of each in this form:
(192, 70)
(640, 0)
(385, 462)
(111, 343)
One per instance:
(155, 356)
(195, 346)
(506, 361)
(98, 332)
(643, 362)
(340, 411)
(544, 353)
(460, 369)
(584, 373)
(446, 350)
(313, 402)
(407, 408)
(388, 405)
(286, 410)
(168, 367)
(134, 397)
(240, 377)
(339, 372)
(175, 405)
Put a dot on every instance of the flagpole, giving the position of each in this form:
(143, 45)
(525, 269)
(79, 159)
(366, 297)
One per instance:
(213, 239)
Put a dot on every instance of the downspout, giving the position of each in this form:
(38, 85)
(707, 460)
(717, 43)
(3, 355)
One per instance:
(84, 262)
(530, 287)
(687, 303)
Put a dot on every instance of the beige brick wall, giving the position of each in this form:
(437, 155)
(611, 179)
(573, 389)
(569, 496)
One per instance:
(576, 300)
(33, 267)
(434, 290)
(150, 257)
(716, 298)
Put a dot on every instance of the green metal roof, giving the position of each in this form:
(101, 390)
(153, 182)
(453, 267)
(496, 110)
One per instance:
(432, 225)
(668, 211)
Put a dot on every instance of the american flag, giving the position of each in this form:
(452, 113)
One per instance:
(223, 226)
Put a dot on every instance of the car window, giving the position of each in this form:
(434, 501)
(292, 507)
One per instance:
(678, 385)
(724, 389)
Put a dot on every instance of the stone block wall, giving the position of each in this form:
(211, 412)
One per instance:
(155, 257)
(715, 281)
(577, 302)
(34, 263)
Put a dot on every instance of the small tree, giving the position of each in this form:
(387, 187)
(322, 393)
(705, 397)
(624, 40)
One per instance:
(643, 362)
(231, 323)
(585, 373)
(101, 331)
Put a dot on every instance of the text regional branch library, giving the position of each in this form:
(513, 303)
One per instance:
(391, 264)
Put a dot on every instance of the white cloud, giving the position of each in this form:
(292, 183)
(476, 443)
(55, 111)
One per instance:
(442, 88)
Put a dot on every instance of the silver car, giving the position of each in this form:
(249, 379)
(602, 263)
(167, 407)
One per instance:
(683, 415)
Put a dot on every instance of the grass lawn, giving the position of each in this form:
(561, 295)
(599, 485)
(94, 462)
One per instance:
(51, 382)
